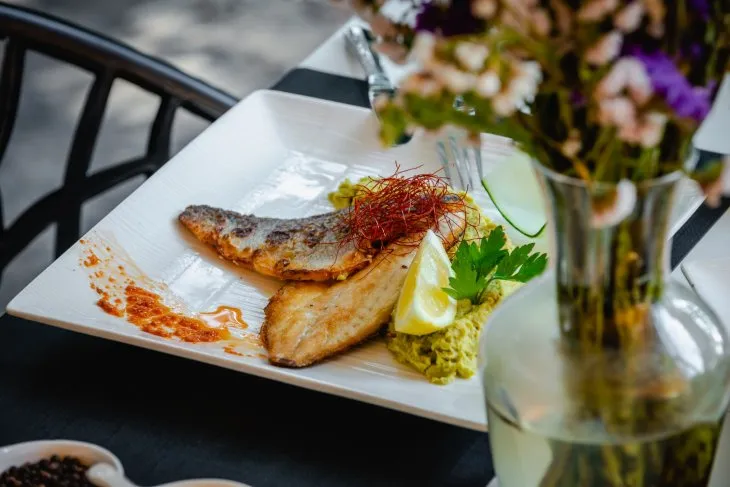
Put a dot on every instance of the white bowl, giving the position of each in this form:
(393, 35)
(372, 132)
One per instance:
(33, 451)
(204, 483)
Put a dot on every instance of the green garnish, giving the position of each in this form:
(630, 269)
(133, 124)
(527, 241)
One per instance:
(475, 265)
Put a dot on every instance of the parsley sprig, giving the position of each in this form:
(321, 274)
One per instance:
(476, 265)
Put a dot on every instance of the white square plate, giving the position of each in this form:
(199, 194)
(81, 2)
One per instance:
(273, 154)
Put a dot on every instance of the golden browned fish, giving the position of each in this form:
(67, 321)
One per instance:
(292, 249)
(309, 321)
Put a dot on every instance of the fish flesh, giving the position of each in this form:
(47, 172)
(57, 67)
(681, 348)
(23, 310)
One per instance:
(308, 321)
(310, 249)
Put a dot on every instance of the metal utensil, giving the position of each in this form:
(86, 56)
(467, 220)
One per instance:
(359, 42)
(462, 163)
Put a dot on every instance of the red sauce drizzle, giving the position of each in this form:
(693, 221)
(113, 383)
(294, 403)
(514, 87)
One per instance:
(122, 297)
(232, 351)
(91, 260)
(146, 310)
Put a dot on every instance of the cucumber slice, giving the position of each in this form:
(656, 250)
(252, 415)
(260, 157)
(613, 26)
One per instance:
(516, 194)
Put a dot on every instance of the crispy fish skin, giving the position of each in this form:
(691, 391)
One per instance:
(290, 249)
(308, 321)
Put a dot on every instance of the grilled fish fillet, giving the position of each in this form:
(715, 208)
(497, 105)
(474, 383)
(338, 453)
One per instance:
(309, 321)
(290, 249)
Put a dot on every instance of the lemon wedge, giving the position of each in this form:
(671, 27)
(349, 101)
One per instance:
(423, 307)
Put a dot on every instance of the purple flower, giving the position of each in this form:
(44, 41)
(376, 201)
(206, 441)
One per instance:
(668, 82)
(693, 51)
(702, 7)
(577, 98)
(449, 18)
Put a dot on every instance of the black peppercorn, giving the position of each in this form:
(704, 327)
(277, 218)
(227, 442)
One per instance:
(49, 472)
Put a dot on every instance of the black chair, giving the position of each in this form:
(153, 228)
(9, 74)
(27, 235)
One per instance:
(24, 30)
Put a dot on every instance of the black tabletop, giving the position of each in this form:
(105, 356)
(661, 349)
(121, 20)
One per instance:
(169, 419)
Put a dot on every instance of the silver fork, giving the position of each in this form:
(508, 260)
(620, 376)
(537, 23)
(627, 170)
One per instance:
(462, 163)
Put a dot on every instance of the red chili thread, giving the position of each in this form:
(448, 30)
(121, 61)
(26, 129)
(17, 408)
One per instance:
(394, 209)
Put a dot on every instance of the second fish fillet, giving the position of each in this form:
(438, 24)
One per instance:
(309, 321)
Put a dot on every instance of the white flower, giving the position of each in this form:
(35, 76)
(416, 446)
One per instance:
(624, 201)
(651, 131)
(639, 84)
(571, 147)
(471, 55)
(421, 84)
(532, 70)
(606, 49)
(523, 88)
(484, 8)
(627, 73)
(488, 84)
(615, 81)
(619, 111)
(423, 47)
(629, 18)
(595, 10)
(456, 80)
(504, 104)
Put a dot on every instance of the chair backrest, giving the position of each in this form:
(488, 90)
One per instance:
(25, 30)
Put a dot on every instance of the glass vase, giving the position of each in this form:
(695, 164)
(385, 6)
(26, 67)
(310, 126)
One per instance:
(603, 372)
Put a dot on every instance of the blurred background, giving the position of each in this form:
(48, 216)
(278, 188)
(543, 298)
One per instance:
(236, 45)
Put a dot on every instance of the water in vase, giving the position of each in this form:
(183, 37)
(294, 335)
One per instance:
(539, 455)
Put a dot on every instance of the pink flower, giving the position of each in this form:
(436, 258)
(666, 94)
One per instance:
(628, 134)
(510, 19)
(456, 81)
(398, 53)
(714, 190)
(484, 9)
(572, 144)
(656, 11)
(606, 49)
(651, 131)
(382, 26)
(563, 16)
(627, 73)
(619, 111)
(629, 18)
(596, 10)
(541, 22)
(647, 132)
(423, 47)
(421, 84)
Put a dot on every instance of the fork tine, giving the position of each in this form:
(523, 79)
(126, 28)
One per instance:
(461, 165)
(478, 156)
(445, 163)
(468, 169)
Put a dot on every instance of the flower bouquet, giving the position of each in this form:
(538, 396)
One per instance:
(605, 96)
